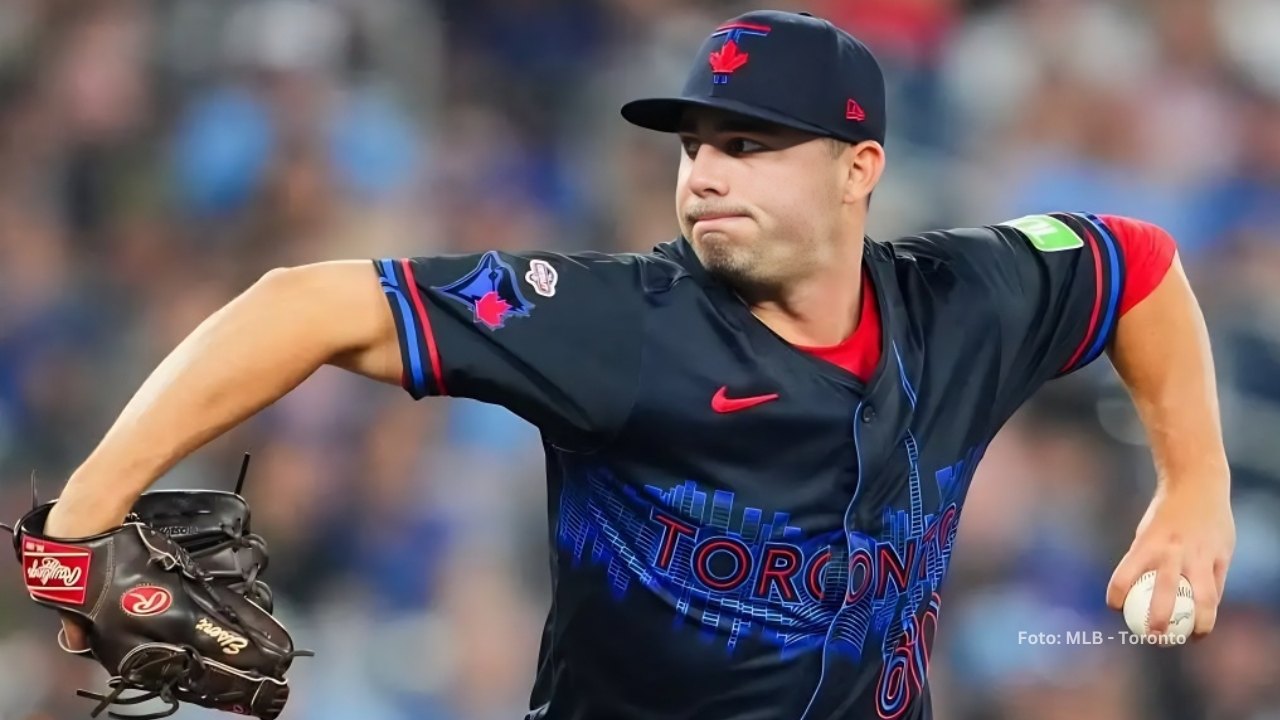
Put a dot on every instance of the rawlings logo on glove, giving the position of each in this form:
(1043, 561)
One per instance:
(146, 600)
(56, 572)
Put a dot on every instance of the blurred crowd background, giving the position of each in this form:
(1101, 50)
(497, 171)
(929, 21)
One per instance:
(156, 157)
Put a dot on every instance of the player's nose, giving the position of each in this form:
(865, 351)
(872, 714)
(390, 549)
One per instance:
(707, 172)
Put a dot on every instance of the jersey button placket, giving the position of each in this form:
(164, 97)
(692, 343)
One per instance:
(867, 414)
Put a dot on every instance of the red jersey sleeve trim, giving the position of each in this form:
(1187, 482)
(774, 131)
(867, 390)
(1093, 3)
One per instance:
(427, 333)
(1086, 232)
(1148, 252)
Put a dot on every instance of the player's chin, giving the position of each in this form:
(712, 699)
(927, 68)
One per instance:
(726, 258)
(719, 237)
(719, 249)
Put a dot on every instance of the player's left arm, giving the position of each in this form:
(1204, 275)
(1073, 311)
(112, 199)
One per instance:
(1161, 351)
(1070, 286)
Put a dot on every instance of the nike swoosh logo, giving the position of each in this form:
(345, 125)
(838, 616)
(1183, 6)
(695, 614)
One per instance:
(721, 403)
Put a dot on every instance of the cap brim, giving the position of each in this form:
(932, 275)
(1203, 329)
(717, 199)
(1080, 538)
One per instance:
(665, 114)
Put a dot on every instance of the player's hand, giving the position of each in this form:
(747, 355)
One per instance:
(63, 522)
(1183, 532)
(74, 638)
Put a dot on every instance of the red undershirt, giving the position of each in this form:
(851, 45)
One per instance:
(1148, 254)
(859, 352)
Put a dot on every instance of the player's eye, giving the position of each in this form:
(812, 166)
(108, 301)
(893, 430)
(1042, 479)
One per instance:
(690, 146)
(743, 146)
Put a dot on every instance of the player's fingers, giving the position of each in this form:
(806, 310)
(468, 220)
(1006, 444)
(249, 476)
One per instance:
(1125, 575)
(1204, 591)
(1163, 595)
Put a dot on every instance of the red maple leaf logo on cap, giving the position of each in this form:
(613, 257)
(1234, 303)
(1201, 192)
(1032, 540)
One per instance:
(728, 58)
(491, 309)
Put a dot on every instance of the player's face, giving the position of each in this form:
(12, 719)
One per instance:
(759, 202)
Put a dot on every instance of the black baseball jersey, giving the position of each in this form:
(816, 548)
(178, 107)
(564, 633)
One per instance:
(740, 530)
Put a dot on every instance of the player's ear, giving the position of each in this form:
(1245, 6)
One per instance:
(863, 165)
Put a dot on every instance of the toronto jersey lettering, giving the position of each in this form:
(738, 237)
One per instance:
(739, 529)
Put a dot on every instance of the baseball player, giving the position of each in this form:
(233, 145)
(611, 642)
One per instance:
(760, 435)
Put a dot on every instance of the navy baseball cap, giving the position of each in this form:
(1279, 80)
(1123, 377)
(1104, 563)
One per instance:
(791, 69)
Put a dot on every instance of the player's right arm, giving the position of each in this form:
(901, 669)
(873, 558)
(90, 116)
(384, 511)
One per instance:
(554, 338)
(238, 361)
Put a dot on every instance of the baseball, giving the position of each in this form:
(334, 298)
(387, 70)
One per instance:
(1137, 607)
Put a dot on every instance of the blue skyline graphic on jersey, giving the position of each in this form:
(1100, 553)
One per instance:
(894, 596)
(922, 540)
(606, 522)
(895, 579)
(732, 571)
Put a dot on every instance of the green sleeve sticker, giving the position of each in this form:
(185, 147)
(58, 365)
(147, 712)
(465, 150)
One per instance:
(1047, 234)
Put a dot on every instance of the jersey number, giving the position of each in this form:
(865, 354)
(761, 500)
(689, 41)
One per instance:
(905, 670)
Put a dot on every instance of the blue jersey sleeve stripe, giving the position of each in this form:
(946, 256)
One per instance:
(1097, 308)
(392, 286)
(1115, 279)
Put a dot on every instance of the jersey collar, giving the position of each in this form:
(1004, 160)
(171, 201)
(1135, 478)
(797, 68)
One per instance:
(880, 262)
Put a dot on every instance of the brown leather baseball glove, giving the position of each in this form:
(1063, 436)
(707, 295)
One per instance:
(160, 622)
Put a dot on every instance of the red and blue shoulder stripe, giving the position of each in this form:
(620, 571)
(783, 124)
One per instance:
(419, 353)
(1109, 272)
(1130, 259)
